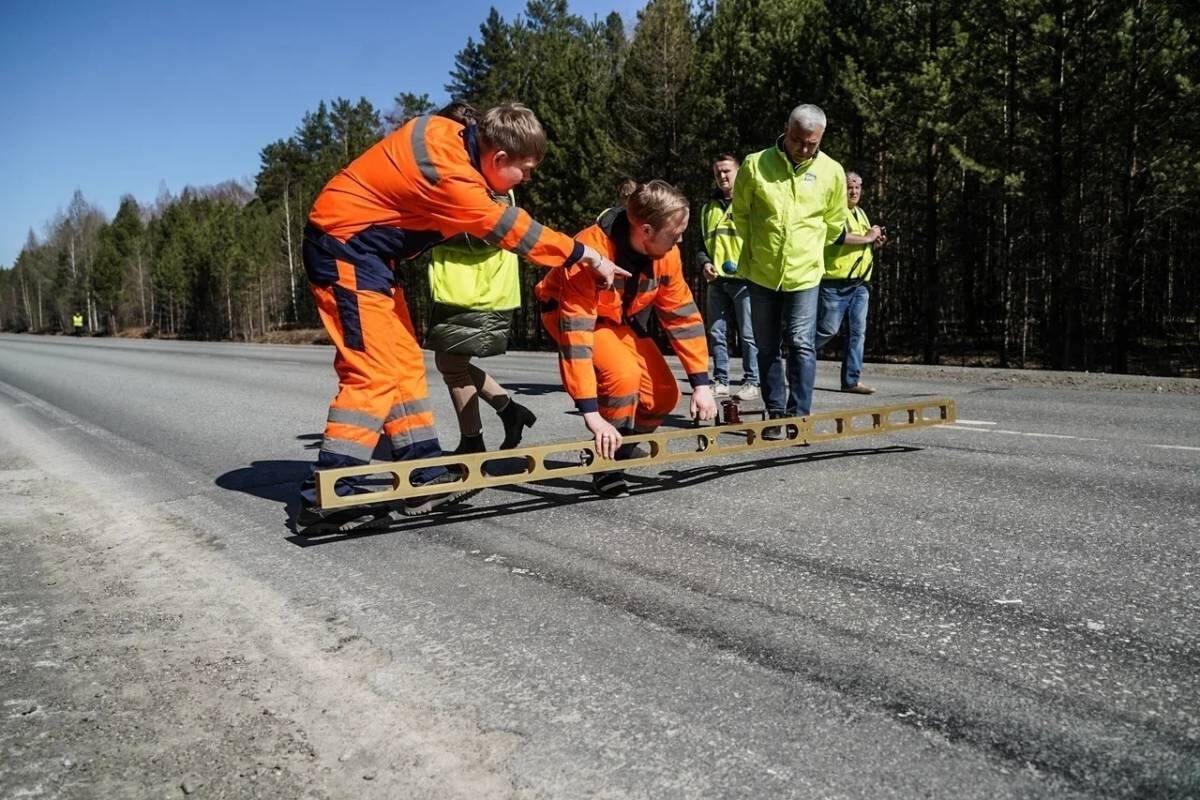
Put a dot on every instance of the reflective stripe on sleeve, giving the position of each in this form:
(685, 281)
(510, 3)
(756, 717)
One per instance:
(421, 151)
(572, 352)
(529, 239)
(505, 224)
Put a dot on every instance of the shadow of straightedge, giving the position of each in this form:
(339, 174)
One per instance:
(533, 389)
(532, 497)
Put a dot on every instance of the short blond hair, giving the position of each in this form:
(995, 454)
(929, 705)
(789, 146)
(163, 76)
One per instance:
(654, 203)
(513, 128)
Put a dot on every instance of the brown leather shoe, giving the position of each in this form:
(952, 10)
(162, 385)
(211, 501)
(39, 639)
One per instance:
(859, 388)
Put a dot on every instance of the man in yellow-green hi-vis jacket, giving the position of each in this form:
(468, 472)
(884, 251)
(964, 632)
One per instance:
(789, 202)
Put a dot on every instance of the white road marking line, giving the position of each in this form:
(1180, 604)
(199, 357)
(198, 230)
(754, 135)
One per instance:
(1058, 436)
(1030, 434)
(966, 425)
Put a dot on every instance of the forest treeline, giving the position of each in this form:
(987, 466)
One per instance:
(1036, 163)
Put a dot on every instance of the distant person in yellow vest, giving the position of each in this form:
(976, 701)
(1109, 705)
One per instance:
(77, 324)
(846, 287)
(728, 292)
(475, 289)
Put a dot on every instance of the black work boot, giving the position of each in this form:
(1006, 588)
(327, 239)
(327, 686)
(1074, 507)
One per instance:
(611, 484)
(516, 418)
(418, 506)
(311, 520)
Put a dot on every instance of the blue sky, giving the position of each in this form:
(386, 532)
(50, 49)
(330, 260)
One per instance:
(117, 98)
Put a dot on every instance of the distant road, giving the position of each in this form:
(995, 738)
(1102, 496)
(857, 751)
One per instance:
(1005, 607)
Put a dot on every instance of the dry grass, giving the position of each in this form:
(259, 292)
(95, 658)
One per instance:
(298, 336)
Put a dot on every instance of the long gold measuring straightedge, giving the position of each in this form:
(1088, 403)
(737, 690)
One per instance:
(538, 462)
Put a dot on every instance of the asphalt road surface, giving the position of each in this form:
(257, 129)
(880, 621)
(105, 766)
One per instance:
(1004, 607)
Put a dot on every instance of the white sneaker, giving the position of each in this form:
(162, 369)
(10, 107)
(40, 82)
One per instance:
(720, 389)
(747, 391)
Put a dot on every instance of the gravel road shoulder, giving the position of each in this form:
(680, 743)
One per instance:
(137, 661)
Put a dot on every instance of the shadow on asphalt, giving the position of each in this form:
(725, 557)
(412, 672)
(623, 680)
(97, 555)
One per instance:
(280, 480)
(533, 389)
(271, 480)
(275, 480)
(531, 497)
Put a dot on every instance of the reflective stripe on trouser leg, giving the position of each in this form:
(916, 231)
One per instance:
(379, 368)
(618, 410)
(409, 424)
(634, 378)
(618, 374)
(350, 431)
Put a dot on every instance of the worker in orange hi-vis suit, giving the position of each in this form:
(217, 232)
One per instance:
(610, 365)
(430, 180)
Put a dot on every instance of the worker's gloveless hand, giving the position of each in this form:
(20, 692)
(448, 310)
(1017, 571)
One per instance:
(608, 438)
(606, 271)
(704, 406)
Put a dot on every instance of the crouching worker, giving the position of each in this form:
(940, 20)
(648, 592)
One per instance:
(429, 180)
(610, 365)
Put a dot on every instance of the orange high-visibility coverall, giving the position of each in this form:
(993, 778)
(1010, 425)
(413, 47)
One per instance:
(607, 359)
(417, 187)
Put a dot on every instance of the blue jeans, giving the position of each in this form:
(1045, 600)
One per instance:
(779, 314)
(729, 299)
(850, 300)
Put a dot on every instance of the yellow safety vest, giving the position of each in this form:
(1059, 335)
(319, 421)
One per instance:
(844, 261)
(470, 273)
(721, 240)
(77, 321)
